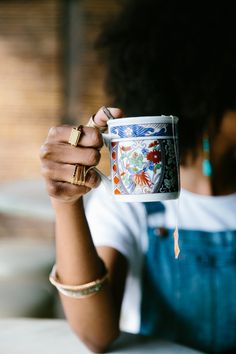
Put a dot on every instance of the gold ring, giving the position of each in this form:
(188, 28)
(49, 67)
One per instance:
(75, 135)
(79, 175)
(92, 124)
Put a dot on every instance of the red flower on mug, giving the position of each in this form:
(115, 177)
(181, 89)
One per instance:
(154, 156)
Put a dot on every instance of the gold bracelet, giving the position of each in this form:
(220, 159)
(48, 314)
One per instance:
(77, 291)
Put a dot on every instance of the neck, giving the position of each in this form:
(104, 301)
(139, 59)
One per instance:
(192, 179)
(222, 181)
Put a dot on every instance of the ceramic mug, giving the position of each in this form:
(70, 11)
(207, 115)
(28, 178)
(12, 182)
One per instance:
(144, 158)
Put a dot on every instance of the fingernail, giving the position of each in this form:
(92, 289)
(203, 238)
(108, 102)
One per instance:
(107, 112)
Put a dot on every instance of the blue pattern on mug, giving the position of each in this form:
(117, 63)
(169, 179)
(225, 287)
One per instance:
(135, 130)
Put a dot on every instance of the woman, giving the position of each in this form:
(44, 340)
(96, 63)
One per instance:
(163, 57)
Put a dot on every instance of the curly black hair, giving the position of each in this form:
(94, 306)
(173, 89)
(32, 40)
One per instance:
(173, 57)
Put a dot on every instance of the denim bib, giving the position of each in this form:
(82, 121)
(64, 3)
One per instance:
(192, 299)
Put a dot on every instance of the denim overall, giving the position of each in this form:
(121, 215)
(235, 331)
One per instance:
(192, 299)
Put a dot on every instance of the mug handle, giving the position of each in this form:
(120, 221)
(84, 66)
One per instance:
(105, 180)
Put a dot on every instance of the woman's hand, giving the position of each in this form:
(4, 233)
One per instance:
(59, 158)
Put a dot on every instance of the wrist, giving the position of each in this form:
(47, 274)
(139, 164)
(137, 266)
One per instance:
(59, 204)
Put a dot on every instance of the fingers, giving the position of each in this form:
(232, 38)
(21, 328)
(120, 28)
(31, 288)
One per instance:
(56, 172)
(58, 158)
(65, 153)
(90, 137)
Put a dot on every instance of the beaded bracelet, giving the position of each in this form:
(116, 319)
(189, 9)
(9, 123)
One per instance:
(77, 291)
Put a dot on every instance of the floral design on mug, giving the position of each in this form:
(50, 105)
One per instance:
(144, 158)
(140, 165)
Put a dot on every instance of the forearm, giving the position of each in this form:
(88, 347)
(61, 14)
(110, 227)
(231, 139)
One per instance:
(95, 318)
(77, 259)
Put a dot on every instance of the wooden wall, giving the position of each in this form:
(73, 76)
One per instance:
(85, 75)
(48, 74)
(30, 82)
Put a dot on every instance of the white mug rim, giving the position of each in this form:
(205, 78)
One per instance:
(143, 119)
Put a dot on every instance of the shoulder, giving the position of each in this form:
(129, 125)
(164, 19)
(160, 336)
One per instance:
(208, 213)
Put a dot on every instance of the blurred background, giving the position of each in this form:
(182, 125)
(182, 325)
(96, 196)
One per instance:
(49, 75)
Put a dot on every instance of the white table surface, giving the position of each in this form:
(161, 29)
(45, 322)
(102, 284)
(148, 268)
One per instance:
(39, 336)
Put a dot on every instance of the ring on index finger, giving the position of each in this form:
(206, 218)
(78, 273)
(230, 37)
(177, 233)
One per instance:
(75, 135)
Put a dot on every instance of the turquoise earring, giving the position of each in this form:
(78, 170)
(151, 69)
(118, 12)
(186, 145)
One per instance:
(206, 164)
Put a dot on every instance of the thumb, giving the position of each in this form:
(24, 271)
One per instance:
(100, 118)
